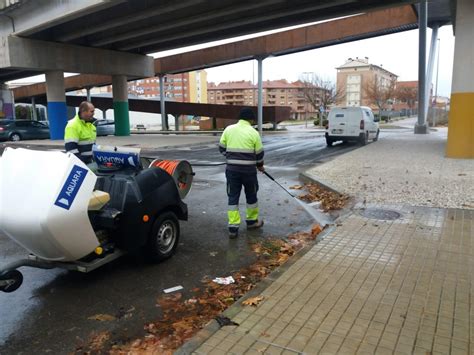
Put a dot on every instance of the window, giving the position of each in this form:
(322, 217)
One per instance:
(339, 115)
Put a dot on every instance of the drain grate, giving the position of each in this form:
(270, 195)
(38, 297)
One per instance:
(377, 213)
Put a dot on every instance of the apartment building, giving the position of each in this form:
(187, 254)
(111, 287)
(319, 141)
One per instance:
(354, 76)
(275, 93)
(406, 100)
(183, 87)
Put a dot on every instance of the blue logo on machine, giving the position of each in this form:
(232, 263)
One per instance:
(117, 159)
(71, 187)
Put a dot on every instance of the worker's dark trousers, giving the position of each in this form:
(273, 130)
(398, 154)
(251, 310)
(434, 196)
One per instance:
(235, 181)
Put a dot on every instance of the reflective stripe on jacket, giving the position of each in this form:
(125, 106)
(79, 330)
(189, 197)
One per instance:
(79, 136)
(242, 146)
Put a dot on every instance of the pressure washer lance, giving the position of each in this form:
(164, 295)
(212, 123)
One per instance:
(276, 182)
(308, 208)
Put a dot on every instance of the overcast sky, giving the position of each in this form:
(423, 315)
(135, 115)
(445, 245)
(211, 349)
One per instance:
(397, 53)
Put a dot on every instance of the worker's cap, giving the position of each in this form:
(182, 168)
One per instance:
(247, 114)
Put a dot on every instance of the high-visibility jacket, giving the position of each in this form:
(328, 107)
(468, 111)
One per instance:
(79, 136)
(242, 146)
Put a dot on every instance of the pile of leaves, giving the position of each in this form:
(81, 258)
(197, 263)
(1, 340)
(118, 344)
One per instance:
(330, 200)
(182, 318)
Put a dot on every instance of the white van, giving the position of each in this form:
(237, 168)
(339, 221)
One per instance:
(351, 124)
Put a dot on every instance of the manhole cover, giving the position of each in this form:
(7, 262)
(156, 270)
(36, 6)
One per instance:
(376, 213)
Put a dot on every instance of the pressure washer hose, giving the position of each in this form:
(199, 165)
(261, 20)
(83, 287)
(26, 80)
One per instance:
(181, 172)
(170, 167)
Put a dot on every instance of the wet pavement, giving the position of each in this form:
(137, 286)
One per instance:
(50, 312)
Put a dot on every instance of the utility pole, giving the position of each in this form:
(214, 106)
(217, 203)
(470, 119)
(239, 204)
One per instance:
(435, 111)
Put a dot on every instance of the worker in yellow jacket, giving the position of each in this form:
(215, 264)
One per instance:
(80, 133)
(242, 146)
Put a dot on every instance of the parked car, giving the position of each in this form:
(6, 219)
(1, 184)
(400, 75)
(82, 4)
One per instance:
(17, 130)
(105, 127)
(351, 124)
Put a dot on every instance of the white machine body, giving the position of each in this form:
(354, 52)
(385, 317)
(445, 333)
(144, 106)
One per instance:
(44, 196)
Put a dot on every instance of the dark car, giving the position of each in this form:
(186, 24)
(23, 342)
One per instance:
(17, 130)
(105, 127)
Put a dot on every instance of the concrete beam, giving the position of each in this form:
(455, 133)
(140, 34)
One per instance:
(127, 18)
(320, 35)
(271, 114)
(33, 16)
(71, 83)
(244, 21)
(23, 53)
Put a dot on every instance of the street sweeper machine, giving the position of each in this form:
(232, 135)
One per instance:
(79, 217)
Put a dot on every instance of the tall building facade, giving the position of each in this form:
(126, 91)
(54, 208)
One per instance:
(183, 87)
(275, 93)
(354, 76)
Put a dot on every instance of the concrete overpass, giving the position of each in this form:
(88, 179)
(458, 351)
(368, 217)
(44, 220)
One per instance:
(98, 36)
(113, 37)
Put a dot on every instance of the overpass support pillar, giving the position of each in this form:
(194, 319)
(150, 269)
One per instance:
(57, 110)
(461, 116)
(420, 126)
(164, 117)
(260, 94)
(33, 108)
(121, 112)
(8, 109)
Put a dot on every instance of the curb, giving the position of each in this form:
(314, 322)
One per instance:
(305, 177)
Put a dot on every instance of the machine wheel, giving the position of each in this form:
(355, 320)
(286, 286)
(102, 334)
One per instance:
(377, 136)
(10, 280)
(364, 138)
(329, 142)
(15, 137)
(164, 236)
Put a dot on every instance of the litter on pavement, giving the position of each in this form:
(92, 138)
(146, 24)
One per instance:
(173, 289)
(224, 280)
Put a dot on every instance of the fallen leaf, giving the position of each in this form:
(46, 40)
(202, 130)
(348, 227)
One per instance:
(102, 317)
(296, 187)
(98, 340)
(315, 230)
(253, 301)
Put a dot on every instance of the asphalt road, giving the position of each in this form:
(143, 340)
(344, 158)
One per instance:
(49, 313)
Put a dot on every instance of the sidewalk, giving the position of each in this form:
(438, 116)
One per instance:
(392, 277)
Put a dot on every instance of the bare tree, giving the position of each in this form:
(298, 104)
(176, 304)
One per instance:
(408, 95)
(319, 92)
(380, 93)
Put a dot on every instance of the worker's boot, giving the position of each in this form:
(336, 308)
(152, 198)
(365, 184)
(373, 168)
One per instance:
(233, 233)
(254, 224)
